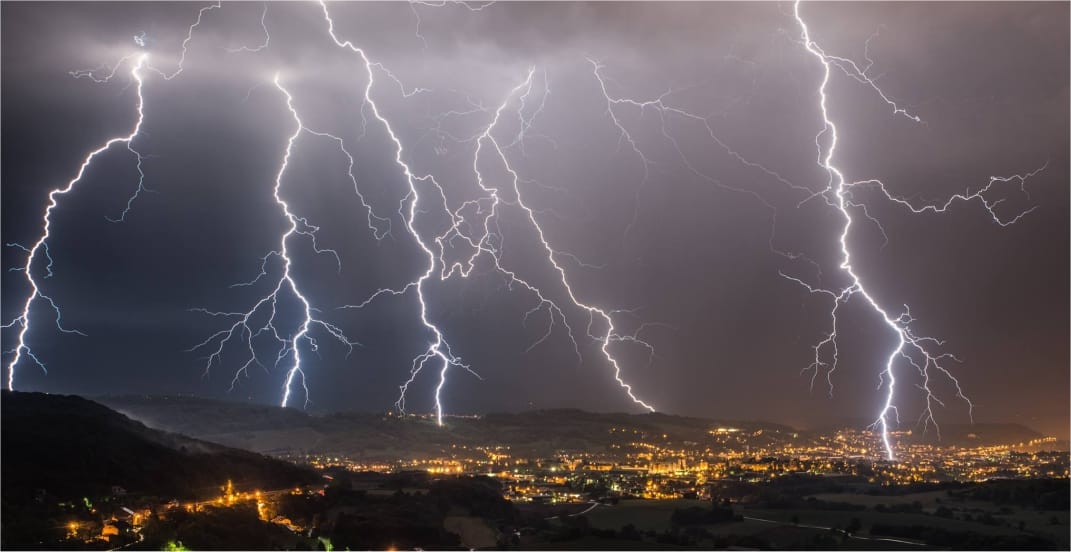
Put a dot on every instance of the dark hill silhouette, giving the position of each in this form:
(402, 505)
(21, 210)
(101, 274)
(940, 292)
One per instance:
(274, 430)
(71, 447)
(277, 430)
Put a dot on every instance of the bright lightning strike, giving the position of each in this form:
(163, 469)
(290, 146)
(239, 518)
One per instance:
(243, 329)
(474, 224)
(140, 63)
(438, 349)
(40, 247)
(914, 349)
(484, 244)
(604, 338)
(260, 320)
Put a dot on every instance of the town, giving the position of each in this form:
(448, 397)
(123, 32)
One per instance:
(653, 467)
(637, 466)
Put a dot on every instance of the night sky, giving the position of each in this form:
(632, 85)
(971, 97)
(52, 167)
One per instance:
(690, 252)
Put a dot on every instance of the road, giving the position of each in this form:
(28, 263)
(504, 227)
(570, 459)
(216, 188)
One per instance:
(852, 536)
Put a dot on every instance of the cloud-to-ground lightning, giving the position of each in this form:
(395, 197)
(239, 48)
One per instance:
(276, 266)
(665, 110)
(604, 338)
(438, 349)
(471, 237)
(243, 329)
(261, 318)
(40, 247)
(916, 350)
(483, 244)
(139, 62)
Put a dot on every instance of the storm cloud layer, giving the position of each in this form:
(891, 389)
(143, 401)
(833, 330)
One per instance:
(691, 249)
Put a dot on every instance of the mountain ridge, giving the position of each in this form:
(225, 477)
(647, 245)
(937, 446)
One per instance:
(270, 429)
(69, 446)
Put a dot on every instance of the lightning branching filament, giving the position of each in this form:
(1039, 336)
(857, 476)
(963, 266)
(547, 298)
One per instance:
(469, 242)
(474, 223)
(665, 110)
(919, 352)
(139, 62)
(244, 330)
(39, 249)
(604, 336)
(438, 349)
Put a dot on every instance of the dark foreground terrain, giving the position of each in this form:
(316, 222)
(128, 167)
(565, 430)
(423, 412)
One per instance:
(68, 460)
(78, 475)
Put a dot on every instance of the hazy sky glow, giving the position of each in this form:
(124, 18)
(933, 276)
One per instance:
(691, 250)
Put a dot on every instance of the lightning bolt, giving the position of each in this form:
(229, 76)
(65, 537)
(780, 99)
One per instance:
(40, 247)
(261, 318)
(665, 110)
(605, 338)
(140, 62)
(246, 327)
(243, 329)
(474, 226)
(438, 349)
(915, 350)
(487, 243)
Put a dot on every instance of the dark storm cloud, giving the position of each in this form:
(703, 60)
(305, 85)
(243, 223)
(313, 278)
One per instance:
(990, 80)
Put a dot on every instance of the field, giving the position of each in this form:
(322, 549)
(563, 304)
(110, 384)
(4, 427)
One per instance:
(655, 515)
(646, 515)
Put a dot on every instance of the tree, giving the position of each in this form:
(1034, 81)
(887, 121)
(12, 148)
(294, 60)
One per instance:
(629, 532)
